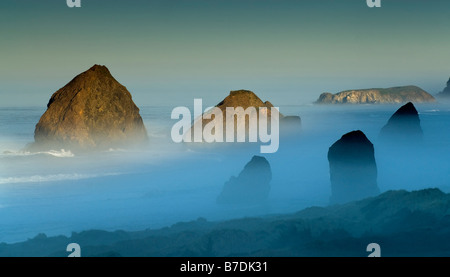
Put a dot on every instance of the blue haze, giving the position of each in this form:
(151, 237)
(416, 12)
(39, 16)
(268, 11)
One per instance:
(60, 192)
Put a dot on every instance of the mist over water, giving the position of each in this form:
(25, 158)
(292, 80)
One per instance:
(57, 192)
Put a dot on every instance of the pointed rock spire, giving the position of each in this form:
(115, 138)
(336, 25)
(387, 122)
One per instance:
(92, 111)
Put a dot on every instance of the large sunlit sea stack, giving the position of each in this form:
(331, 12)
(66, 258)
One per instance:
(93, 111)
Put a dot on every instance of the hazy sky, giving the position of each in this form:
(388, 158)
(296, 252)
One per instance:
(168, 52)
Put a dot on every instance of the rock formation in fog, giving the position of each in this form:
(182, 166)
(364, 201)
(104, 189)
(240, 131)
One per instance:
(252, 186)
(238, 98)
(290, 125)
(353, 170)
(245, 99)
(403, 126)
(446, 92)
(377, 96)
(93, 111)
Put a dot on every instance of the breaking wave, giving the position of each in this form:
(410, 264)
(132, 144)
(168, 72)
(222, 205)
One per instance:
(55, 153)
(51, 178)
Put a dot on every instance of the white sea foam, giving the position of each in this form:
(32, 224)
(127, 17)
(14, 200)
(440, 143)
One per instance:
(55, 153)
(51, 178)
(60, 154)
(116, 150)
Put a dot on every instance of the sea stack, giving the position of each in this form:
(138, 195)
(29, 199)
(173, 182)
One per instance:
(249, 109)
(353, 170)
(93, 111)
(252, 186)
(403, 126)
(446, 92)
(241, 125)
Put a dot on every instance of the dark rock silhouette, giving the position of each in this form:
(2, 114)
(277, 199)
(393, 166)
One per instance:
(446, 91)
(396, 218)
(353, 170)
(252, 186)
(91, 111)
(403, 126)
(377, 96)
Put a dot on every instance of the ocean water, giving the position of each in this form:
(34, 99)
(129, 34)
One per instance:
(59, 192)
